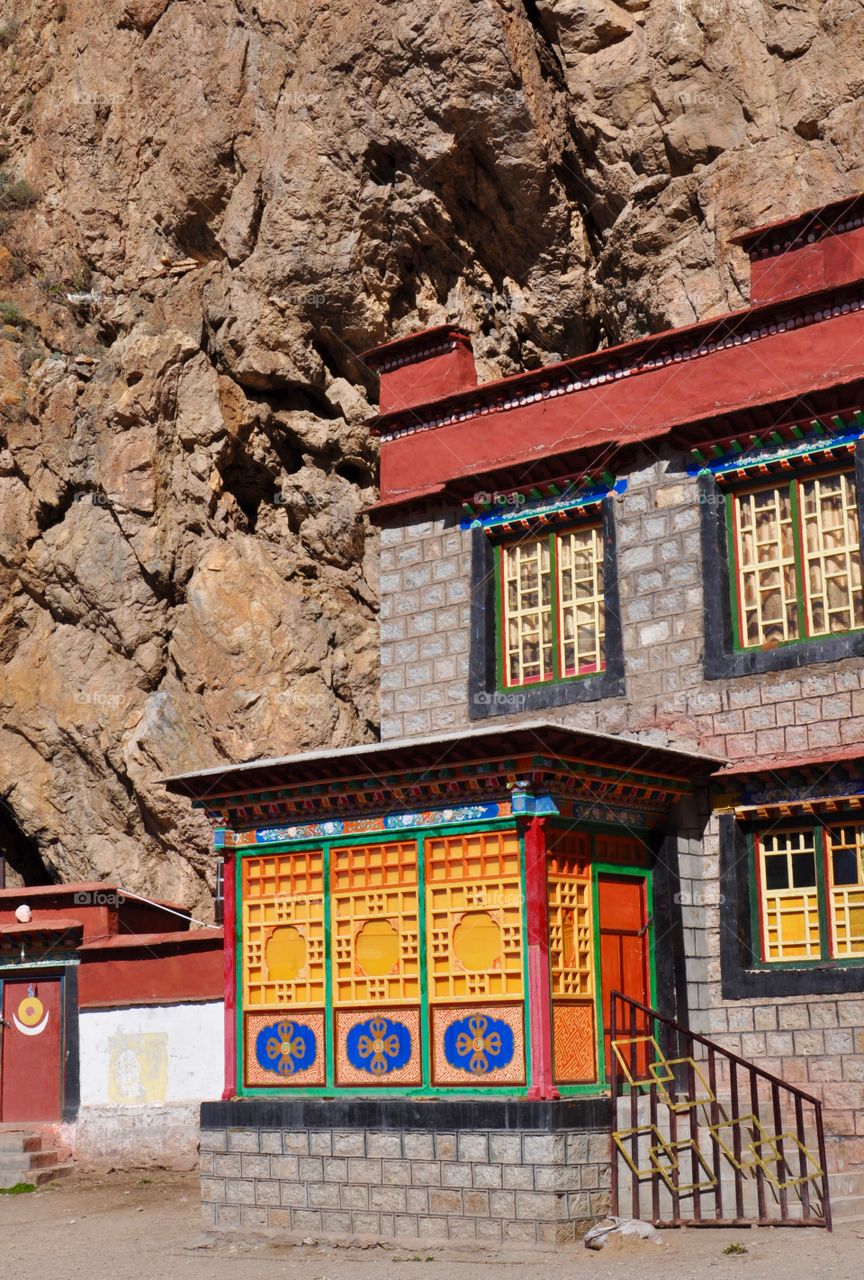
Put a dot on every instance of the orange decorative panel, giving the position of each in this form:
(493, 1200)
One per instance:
(474, 917)
(575, 1048)
(376, 1047)
(571, 938)
(283, 875)
(374, 923)
(622, 849)
(283, 930)
(478, 1045)
(282, 1049)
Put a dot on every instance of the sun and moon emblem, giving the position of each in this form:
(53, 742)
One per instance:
(30, 1018)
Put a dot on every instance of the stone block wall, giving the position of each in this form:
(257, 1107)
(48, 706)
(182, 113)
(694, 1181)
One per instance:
(815, 1041)
(426, 592)
(508, 1188)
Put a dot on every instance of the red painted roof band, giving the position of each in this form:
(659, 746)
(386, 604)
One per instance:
(825, 355)
(768, 765)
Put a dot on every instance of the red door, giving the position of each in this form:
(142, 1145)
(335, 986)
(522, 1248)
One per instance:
(31, 1062)
(623, 951)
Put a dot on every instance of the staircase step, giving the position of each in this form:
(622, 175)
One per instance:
(33, 1177)
(847, 1208)
(26, 1159)
(19, 1140)
(846, 1182)
(50, 1173)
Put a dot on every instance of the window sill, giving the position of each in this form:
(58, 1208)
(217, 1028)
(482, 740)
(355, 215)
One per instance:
(539, 697)
(802, 653)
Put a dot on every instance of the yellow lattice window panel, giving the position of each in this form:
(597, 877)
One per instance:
(581, 613)
(527, 591)
(283, 930)
(797, 556)
(832, 554)
(789, 895)
(571, 941)
(374, 921)
(846, 888)
(766, 567)
(553, 606)
(474, 917)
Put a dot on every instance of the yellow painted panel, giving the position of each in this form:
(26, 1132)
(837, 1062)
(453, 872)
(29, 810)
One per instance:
(374, 911)
(474, 885)
(282, 922)
(477, 941)
(285, 953)
(377, 948)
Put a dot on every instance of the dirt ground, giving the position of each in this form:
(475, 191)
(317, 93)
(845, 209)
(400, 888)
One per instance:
(147, 1227)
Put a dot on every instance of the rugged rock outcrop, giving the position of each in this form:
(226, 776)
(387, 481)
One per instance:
(206, 208)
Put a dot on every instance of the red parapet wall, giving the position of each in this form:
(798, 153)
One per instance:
(828, 263)
(135, 979)
(774, 367)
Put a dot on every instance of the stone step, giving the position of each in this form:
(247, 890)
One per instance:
(26, 1160)
(50, 1173)
(847, 1208)
(846, 1182)
(33, 1177)
(19, 1140)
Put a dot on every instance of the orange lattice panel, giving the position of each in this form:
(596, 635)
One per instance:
(283, 875)
(571, 939)
(282, 917)
(375, 924)
(623, 849)
(570, 850)
(575, 1047)
(474, 917)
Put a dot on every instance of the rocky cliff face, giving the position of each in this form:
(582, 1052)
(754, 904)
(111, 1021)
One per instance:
(206, 208)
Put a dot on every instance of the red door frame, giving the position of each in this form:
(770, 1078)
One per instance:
(642, 878)
(36, 977)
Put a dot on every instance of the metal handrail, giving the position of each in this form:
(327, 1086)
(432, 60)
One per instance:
(680, 1106)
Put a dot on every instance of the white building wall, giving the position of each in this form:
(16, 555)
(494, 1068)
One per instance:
(151, 1054)
(144, 1071)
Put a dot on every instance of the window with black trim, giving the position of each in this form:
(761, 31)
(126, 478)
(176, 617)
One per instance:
(782, 561)
(796, 559)
(551, 608)
(808, 899)
(545, 622)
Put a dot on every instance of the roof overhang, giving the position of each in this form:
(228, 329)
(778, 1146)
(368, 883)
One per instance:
(392, 775)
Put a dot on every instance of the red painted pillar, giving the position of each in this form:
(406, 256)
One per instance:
(230, 975)
(539, 986)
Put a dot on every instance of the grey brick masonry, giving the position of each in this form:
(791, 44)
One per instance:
(504, 1187)
(425, 642)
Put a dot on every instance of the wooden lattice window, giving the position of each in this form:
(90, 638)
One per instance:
(374, 914)
(552, 614)
(797, 560)
(571, 938)
(845, 866)
(810, 892)
(283, 930)
(474, 917)
(789, 896)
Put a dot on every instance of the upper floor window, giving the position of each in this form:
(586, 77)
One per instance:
(796, 555)
(811, 892)
(552, 611)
